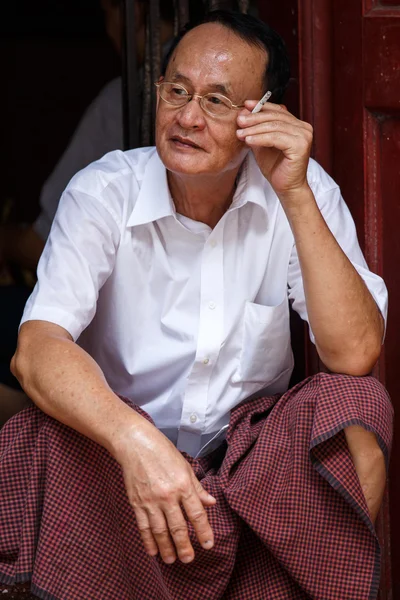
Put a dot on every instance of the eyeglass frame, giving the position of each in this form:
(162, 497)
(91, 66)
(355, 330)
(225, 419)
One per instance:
(191, 96)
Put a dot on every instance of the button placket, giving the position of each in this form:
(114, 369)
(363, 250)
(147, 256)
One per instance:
(210, 336)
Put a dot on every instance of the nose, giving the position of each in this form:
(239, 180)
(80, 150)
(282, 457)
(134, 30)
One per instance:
(191, 115)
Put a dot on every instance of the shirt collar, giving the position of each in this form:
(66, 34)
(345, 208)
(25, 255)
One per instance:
(252, 185)
(154, 200)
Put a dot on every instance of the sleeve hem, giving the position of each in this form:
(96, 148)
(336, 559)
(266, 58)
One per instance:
(56, 316)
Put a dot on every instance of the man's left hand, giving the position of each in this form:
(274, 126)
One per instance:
(281, 144)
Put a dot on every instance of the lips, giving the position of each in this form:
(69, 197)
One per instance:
(185, 141)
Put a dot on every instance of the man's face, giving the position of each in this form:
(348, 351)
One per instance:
(208, 57)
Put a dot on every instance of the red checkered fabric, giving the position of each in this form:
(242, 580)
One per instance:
(290, 520)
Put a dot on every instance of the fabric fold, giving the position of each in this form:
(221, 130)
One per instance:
(290, 520)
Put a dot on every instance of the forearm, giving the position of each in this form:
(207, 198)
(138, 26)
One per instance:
(343, 315)
(67, 384)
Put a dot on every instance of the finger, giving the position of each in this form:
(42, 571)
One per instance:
(275, 127)
(160, 532)
(179, 532)
(143, 524)
(205, 498)
(289, 145)
(198, 517)
(249, 119)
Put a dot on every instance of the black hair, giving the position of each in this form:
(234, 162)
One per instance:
(253, 31)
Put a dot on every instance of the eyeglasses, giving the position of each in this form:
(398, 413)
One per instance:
(215, 105)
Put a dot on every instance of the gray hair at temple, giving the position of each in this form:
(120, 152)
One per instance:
(253, 31)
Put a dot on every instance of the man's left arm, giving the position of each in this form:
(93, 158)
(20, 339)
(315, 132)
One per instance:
(345, 320)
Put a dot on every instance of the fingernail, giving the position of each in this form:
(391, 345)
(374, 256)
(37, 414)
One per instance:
(208, 544)
(243, 118)
(240, 132)
(169, 560)
(187, 559)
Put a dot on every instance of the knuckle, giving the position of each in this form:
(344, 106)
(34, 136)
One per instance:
(160, 531)
(187, 494)
(138, 504)
(166, 494)
(198, 516)
(178, 530)
(144, 529)
(183, 483)
(150, 509)
(304, 144)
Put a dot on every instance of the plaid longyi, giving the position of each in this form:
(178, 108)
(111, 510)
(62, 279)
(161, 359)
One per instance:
(290, 520)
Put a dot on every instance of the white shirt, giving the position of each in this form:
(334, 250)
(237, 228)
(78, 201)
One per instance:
(98, 132)
(185, 320)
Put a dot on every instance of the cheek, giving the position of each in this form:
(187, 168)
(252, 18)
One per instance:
(162, 122)
(230, 143)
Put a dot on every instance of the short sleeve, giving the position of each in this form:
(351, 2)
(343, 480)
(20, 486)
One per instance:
(78, 258)
(341, 224)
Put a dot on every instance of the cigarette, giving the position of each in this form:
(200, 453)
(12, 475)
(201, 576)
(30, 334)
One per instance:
(260, 104)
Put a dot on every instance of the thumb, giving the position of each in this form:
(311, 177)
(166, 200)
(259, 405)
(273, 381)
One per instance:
(204, 496)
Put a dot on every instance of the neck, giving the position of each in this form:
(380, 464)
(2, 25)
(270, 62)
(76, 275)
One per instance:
(202, 199)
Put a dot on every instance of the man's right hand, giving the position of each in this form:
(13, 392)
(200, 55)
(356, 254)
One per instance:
(159, 482)
(67, 384)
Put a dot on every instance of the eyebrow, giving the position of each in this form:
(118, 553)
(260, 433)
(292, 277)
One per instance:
(219, 87)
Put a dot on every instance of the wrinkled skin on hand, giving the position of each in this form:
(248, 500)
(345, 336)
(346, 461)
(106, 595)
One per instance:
(159, 483)
(281, 144)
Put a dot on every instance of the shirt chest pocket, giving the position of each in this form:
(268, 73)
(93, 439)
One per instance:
(266, 351)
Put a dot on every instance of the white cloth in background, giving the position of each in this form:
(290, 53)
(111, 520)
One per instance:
(185, 320)
(99, 131)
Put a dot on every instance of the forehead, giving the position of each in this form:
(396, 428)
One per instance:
(211, 53)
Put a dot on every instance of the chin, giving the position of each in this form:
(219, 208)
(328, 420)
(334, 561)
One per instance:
(187, 165)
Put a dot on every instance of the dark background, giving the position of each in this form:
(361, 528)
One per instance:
(54, 59)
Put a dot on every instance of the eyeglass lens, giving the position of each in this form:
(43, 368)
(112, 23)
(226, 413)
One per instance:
(214, 104)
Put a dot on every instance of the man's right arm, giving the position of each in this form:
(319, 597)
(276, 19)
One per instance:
(67, 384)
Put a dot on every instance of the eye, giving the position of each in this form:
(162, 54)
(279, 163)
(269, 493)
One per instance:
(178, 91)
(215, 100)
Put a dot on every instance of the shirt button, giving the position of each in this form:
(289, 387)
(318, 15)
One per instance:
(193, 418)
(211, 305)
(206, 361)
(236, 378)
(213, 243)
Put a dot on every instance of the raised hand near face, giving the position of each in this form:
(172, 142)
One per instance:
(281, 144)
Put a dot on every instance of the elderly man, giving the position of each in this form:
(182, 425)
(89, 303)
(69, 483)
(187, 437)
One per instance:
(172, 268)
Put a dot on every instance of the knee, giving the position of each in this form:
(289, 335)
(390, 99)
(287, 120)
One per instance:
(370, 396)
(362, 388)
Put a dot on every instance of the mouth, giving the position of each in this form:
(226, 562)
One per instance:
(182, 142)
